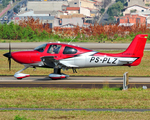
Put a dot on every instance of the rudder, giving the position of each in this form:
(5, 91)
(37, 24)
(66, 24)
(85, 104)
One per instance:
(136, 48)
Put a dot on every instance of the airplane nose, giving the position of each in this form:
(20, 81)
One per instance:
(7, 55)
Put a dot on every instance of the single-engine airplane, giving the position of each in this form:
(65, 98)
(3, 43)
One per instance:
(65, 56)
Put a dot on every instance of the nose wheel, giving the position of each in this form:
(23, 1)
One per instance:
(20, 75)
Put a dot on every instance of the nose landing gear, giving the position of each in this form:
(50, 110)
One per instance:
(19, 75)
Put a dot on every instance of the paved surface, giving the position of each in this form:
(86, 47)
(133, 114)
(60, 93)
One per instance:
(28, 45)
(75, 79)
(74, 82)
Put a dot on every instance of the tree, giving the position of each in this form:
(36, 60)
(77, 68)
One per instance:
(15, 10)
(5, 2)
(102, 11)
(122, 1)
(115, 9)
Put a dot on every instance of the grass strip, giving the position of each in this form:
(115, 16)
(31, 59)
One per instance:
(73, 115)
(74, 98)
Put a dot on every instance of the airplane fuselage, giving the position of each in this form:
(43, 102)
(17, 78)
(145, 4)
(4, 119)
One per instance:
(64, 56)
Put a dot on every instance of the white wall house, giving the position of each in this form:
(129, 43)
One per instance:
(137, 2)
(84, 11)
(31, 13)
(46, 5)
(137, 9)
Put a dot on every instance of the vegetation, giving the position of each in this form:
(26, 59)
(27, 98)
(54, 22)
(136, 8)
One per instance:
(5, 2)
(74, 98)
(16, 9)
(33, 30)
(102, 11)
(122, 1)
(1, 7)
(74, 115)
(147, 4)
(115, 9)
(18, 117)
(133, 11)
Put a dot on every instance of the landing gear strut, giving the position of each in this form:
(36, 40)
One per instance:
(57, 74)
(20, 75)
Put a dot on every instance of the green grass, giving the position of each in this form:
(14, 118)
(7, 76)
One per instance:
(141, 70)
(74, 98)
(73, 115)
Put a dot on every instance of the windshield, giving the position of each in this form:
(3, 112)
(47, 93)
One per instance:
(41, 48)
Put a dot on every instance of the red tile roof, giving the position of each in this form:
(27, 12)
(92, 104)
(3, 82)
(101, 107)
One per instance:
(73, 8)
(16, 18)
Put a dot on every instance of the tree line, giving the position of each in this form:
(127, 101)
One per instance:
(33, 30)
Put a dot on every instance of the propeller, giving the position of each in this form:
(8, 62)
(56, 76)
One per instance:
(8, 55)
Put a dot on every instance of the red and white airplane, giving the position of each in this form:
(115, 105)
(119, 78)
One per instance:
(65, 56)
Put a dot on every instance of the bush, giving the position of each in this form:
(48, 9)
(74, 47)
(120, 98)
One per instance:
(18, 117)
(28, 31)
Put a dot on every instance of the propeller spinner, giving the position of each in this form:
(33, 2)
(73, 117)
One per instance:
(8, 55)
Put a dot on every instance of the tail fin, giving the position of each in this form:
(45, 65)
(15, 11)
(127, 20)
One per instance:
(136, 48)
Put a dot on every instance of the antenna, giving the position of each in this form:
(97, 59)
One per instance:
(72, 38)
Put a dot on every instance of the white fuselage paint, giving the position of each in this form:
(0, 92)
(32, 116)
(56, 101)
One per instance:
(88, 60)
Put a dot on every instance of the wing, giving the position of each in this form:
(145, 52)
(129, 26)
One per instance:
(51, 62)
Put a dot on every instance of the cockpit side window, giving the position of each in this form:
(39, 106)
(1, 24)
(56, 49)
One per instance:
(54, 49)
(41, 48)
(69, 50)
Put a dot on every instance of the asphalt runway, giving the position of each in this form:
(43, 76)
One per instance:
(94, 46)
(74, 82)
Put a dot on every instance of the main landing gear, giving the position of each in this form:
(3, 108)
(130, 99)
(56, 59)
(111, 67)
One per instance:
(57, 74)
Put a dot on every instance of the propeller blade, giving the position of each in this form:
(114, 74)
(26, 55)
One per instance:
(8, 55)
(9, 48)
(9, 60)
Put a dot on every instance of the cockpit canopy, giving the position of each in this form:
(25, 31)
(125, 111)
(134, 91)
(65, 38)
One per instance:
(40, 48)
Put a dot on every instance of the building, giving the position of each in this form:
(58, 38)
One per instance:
(134, 9)
(88, 4)
(85, 11)
(32, 13)
(132, 19)
(136, 2)
(73, 10)
(43, 19)
(147, 1)
(75, 19)
(48, 6)
(74, 3)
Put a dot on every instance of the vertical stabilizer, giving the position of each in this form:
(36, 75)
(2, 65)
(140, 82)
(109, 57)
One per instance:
(136, 48)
